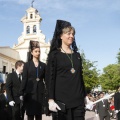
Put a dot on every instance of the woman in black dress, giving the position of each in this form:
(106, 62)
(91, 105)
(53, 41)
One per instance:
(32, 86)
(5, 108)
(64, 75)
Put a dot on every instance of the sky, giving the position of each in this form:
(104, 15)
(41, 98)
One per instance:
(97, 24)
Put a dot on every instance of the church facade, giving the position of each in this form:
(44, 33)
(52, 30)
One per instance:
(31, 31)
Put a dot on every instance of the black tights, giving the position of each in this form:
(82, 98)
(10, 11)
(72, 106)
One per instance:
(37, 117)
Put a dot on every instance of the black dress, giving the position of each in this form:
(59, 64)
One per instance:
(63, 85)
(32, 89)
(5, 108)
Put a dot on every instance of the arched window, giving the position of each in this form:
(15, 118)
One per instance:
(31, 16)
(28, 29)
(34, 29)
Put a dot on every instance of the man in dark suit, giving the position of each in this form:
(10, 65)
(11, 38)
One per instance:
(5, 108)
(12, 87)
(117, 102)
(103, 108)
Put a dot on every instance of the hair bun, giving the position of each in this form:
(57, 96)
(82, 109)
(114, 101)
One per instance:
(34, 44)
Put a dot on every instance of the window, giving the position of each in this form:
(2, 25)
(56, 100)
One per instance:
(4, 69)
(28, 29)
(34, 29)
(31, 16)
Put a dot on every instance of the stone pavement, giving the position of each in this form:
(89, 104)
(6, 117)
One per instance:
(88, 116)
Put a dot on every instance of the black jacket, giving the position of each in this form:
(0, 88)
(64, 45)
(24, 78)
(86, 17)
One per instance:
(29, 83)
(5, 109)
(103, 108)
(117, 101)
(63, 85)
(12, 87)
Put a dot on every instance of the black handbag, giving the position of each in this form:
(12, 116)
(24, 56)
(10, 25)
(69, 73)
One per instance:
(62, 106)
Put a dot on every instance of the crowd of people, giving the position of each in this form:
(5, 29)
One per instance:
(57, 85)
(105, 105)
(55, 88)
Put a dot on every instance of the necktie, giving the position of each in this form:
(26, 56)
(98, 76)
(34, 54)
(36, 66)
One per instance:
(19, 77)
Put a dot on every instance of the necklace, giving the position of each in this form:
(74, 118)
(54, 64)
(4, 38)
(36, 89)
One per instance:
(72, 70)
(36, 63)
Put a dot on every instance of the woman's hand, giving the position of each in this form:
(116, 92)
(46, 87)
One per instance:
(21, 98)
(53, 106)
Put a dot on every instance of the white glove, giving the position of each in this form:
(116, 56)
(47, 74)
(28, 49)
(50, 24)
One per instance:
(21, 98)
(53, 106)
(116, 111)
(111, 114)
(89, 106)
(96, 115)
(11, 103)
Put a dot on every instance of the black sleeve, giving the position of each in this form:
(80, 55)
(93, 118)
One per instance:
(82, 80)
(9, 87)
(44, 72)
(24, 79)
(97, 107)
(50, 75)
(116, 101)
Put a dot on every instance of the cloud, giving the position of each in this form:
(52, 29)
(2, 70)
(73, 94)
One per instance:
(81, 11)
(7, 0)
(24, 2)
(81, 4)
(95, 4)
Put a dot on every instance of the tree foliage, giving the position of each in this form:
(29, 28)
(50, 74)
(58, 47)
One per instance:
(90, 73)
(110, 78)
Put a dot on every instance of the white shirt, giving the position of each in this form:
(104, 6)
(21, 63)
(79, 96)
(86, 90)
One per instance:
(18, 74)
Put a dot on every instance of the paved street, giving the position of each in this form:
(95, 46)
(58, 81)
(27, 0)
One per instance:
(89, 116)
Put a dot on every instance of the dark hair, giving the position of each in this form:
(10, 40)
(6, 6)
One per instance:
(3, 87)
(118, 87)
(56, 40)
(32, 45)
(18, 63)
(101, 93)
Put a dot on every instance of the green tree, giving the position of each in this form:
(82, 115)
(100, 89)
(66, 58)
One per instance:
(90, 73)
(110, 78)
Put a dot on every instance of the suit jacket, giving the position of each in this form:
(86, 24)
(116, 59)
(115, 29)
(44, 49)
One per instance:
(12, 87)
(29, 83)
(117, 101)
(5, 109)
(103, 108)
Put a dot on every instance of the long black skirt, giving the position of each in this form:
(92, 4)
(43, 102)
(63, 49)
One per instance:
(33, 103)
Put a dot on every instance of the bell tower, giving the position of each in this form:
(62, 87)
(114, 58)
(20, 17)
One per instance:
(31, 31)
(31, 22)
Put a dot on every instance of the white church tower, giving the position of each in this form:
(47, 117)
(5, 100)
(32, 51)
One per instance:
(31, 31)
